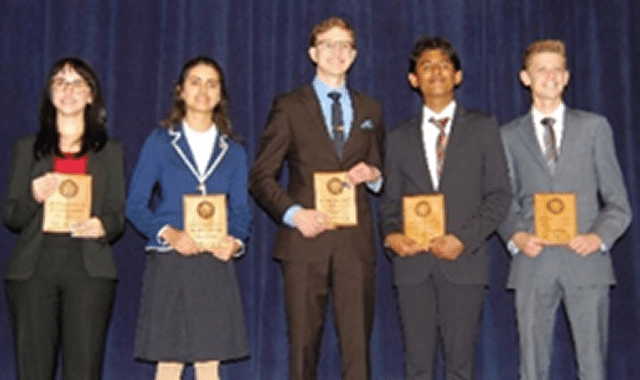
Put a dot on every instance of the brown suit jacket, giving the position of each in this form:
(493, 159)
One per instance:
(296, 133)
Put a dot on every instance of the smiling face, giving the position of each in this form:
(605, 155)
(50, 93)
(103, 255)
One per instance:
(70, 92)
(546, 76)
(333, 54)
(435, 76)
(201, 90)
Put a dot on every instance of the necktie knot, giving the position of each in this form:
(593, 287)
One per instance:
(440, 123)
(335, 96)
(548, 122)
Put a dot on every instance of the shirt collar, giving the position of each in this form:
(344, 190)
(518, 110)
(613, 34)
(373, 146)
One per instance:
(323, 89)
(190, 132)
(557, 114)
(448, 111)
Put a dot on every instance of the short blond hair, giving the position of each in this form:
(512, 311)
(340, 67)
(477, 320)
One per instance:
(329, 23)
(544, 46)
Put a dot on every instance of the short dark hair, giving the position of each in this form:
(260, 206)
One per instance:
(328, 23)
(220, 115)
(94, 136)
(433, 43)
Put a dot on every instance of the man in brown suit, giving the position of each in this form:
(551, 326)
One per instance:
(323, 126)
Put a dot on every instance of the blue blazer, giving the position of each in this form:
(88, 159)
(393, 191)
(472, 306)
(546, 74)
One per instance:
(166, 160)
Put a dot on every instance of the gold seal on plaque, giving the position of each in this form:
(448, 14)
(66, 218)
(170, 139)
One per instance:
(335, 186)
(68, 188)
(422, 209)
(206, 209)
(555, 205)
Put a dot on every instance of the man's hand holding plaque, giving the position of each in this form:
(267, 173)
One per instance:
(336, 198)
(555, 217)
(423, 217)
(205, 220)
(67, 200)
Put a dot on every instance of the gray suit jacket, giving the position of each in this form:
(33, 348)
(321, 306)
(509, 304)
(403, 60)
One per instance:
(474, 182)
(587, 165)
(22, 214)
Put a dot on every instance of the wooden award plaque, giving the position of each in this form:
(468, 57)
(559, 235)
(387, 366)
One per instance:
(205, 219)
(69, 204)
(555, 216)
(423, 217)
(336, 197)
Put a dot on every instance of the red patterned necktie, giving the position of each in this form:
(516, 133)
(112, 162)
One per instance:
(441, 142)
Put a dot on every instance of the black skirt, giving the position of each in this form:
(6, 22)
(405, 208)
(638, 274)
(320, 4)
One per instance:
(190, 310)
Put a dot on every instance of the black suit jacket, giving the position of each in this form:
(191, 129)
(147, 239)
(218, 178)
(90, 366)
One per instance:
(22, 214)
(296, 133)
(475, 184)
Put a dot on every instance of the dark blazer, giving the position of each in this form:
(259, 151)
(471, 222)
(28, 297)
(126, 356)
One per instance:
(474, 182)
(22, 214)
(587, 165)
(296, 133)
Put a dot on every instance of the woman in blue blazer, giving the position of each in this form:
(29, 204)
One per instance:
(60, 286)
(191, 309)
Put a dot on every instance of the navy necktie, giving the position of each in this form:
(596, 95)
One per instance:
(337, 122)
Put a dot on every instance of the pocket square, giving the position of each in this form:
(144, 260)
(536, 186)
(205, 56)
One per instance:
(367, 124)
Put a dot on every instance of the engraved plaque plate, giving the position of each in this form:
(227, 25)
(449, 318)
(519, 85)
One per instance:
(423, 217)
(336, 197)
(205, 219)
(555, 216)
(69, 204)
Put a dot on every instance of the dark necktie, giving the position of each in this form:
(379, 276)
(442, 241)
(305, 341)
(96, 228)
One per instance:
(441, 142)
(337, 123)
(550, 148)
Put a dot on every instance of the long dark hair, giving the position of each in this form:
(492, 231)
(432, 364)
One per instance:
(220, 114)
(94, 136)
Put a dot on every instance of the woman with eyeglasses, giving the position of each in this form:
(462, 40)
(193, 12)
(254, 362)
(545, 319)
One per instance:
(191, 311)
(60, 280)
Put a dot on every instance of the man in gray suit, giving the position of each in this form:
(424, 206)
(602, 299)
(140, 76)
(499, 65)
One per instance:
(556, 149)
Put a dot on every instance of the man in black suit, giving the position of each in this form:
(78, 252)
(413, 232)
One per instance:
(457, 152)
(316, 259)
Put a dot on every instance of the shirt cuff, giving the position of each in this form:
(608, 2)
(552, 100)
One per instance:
(287, 217)
(161, 241)
(513, 248)
(375, 186)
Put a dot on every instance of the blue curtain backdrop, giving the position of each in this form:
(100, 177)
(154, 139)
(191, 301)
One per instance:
(138, 47)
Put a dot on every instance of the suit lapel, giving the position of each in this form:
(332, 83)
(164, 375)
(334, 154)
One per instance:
(530, 141)
(417, 155)
(317, 127)
(569, 137)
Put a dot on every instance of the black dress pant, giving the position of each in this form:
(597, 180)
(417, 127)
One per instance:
(60, 308)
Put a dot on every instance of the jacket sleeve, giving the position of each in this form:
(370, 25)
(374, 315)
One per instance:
(112, 211)
(19, 206)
